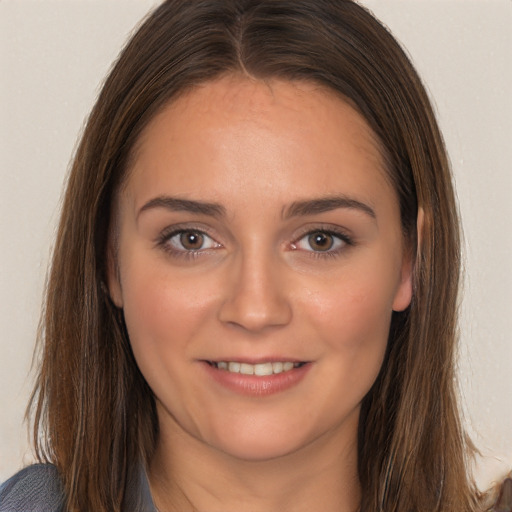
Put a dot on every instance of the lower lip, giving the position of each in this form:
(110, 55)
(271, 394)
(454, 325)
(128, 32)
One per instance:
(253, 385)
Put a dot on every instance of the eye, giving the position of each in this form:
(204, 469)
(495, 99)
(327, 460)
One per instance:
(189, 240)
(322, 241)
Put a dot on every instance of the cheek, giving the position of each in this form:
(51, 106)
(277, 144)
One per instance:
(354, 318)
(162, 313)
(355, 308)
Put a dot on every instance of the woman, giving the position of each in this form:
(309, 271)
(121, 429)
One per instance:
(260, 188)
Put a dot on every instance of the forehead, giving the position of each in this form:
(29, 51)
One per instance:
(275, 135)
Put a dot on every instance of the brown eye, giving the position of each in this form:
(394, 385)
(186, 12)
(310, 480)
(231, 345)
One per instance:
(187, 242)
(191, 240)
(320, 241)
(323, 242)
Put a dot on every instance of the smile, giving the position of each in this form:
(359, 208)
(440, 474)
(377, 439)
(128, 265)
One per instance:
(259, 369)
(257, 379)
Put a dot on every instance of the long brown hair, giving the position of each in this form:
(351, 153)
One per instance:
(94, 413)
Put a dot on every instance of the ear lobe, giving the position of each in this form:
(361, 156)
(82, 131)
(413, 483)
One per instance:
(403, 295)
(113, 279)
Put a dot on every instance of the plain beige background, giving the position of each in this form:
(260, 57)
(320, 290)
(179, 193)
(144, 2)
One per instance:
(53, 57)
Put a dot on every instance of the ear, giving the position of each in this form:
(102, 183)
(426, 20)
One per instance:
(403, 295)
(113, 278)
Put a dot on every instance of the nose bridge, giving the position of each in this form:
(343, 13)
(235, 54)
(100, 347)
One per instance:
(256, 297)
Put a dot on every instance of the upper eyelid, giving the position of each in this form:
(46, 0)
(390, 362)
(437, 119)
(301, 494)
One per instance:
(342, 233)
(184, 227)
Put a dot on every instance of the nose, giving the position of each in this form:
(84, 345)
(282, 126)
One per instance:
(256, 295)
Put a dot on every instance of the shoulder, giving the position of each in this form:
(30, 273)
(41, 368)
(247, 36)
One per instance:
(504, 503)
(36, 488)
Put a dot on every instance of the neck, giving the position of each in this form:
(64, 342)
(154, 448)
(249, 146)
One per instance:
(186, 475)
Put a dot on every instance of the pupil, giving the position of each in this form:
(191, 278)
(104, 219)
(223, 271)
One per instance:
(191, 240)
(320, 241)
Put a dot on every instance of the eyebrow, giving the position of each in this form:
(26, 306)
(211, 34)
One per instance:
(176, 204)
(296, 209)
(326, 204)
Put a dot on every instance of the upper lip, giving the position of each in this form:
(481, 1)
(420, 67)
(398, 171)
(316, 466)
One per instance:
(256, 360)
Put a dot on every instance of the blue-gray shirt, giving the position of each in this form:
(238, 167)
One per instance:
(38, 488)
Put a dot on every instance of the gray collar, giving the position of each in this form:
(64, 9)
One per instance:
(138, 495)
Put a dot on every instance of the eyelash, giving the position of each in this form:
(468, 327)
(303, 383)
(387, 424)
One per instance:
(341, 236)
(166, 236)
(164, 241)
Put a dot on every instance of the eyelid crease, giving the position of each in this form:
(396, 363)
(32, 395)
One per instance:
(344, 234)
(182, 227)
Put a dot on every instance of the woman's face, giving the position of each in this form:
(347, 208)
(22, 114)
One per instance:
(258, 232)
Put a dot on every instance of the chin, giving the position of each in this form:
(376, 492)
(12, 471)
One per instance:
(259, 441)
(260, 450)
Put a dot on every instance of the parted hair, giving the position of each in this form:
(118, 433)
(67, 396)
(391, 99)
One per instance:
(94, 415)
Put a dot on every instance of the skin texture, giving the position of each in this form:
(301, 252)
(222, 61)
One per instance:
(256, 286)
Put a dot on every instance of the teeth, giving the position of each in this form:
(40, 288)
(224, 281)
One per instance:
(260, 369)
(247, 369)
(263, 369)
(234, 367)
(277, 367)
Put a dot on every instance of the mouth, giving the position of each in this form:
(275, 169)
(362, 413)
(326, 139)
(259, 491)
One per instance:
(257, 378)
(259, 369)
